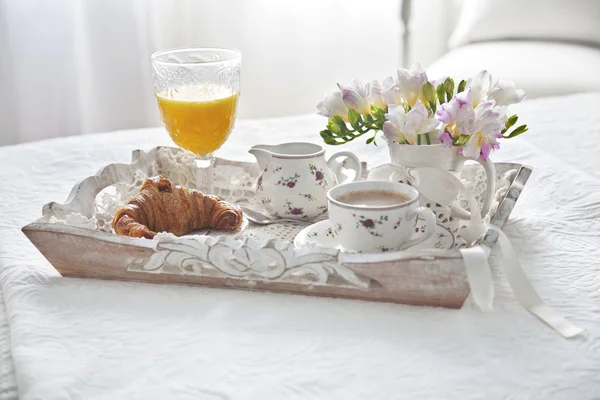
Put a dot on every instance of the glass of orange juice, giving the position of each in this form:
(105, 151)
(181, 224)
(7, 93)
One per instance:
(197, 92)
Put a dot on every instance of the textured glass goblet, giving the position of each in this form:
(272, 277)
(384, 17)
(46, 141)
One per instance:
(197, 92)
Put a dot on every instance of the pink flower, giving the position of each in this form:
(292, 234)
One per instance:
(481, 123)
(296, 211)
(445, 137)
(490, 120)
(291, 184)
(458, 114)
(319, 175)
(368, 223)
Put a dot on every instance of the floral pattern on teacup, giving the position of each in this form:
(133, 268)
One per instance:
(420, 228)
(397, 224)
(318, 174)
(370, 224)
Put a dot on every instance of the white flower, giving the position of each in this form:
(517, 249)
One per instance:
(410, 83)
(376, 95)
(356, 97)
(333, 104)
(480, 85)
(505, 93)
(402, 126)
(390, 93)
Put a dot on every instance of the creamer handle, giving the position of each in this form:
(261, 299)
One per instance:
(335, 166)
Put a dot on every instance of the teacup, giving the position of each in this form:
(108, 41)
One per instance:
(372, 216)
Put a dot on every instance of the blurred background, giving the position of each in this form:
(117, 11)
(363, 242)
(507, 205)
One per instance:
(70, 67)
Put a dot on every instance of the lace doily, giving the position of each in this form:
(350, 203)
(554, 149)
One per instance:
(235, 182)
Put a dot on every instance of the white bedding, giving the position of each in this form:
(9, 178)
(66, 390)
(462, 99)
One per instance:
(91, 339)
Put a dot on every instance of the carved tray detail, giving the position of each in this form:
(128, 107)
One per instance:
(249, 260)
(77, 240)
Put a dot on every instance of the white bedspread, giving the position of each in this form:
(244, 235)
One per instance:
(91, 339)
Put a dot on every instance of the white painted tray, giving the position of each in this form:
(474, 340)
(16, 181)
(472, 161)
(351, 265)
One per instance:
(77, 240)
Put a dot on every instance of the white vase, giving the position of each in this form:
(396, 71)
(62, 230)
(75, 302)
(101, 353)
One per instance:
(406, 156)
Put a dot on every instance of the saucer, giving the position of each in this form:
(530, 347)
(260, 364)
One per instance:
(320, 235)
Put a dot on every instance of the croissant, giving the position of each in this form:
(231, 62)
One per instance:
(161, 206)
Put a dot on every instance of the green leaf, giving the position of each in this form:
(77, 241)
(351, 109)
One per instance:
(370, 140)
(353, 118)
(327, 138)
(333, 127)
(432, 106)
(449, 86)
(441, 93)
(461, 86)
(511, 121)
(378, 112)
(461, 140)
(339, 121)
(334, 141)
(521, 129)
(427, 138)
(369, 118)
(429, 92)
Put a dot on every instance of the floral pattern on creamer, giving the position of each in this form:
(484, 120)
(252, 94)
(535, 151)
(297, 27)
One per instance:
(295, 211)
(290, 182)
(308, 196)
(370, 224)
(318, 174)
(259, 187)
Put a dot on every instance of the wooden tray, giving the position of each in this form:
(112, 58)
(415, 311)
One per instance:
(420, 277)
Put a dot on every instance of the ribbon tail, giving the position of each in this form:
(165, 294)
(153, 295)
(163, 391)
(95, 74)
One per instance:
(526, 293)
(479, 276)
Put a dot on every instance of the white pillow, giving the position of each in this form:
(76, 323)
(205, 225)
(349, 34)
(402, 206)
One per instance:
(559, 20)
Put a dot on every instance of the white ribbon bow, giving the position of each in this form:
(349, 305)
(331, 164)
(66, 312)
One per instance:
(443, 187)
(482, 287)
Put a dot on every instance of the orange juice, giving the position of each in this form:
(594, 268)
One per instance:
(199, 118)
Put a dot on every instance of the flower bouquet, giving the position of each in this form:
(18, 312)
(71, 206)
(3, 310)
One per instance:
(411, 109)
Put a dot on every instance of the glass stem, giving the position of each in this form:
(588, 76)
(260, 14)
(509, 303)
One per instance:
(204, 174)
